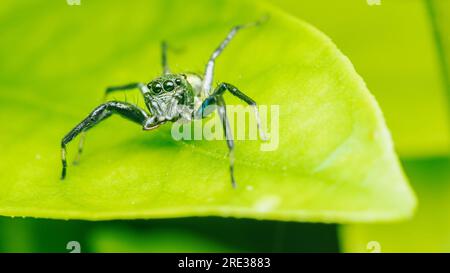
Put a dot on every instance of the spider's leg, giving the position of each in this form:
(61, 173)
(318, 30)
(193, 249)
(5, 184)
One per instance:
(164, 63)
(125, 87)
(102, 112)
(206, 108)
(216, 100)
(209, 71)
(108, 90)
(239, 94)
(222, 110)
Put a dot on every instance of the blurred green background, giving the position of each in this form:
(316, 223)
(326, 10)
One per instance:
(402, 50)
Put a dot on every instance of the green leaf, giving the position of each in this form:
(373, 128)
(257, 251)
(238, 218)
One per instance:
(398, 57)
(334, 163)
(439, 11)
(427, 231)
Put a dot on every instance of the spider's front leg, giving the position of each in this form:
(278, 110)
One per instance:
(102, 112)
(216, 99)
(108, 91)
(219, 91)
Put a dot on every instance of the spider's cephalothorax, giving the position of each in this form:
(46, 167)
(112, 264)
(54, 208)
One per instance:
(169, 98)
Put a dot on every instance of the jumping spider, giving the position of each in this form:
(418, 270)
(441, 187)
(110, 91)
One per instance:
(169, 98)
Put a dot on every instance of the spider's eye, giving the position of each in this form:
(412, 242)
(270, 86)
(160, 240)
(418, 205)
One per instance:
(178, 81)
(168, 85)
(156, 87)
